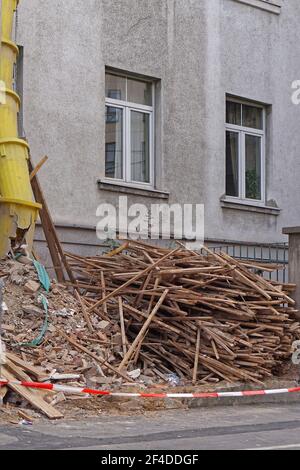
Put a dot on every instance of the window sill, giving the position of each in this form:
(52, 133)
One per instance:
(249, 207)
(132, 189)
(272, 6)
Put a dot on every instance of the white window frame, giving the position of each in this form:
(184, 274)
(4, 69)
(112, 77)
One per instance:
(127, 108)
(242, 131)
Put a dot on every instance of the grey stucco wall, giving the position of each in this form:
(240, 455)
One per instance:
(200, 50)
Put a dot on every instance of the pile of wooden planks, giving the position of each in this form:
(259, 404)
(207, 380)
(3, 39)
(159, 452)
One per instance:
(16, 369)
(205, 317)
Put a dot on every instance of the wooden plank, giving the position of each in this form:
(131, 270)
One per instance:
(38, 167)
(197, 353)
(103, 291)
(55, 248)
(48, 226)
(36, 401)
(117, 250)
(142, 332)
(85, 312)
(124, 339)
(3, 392)
(36, 372)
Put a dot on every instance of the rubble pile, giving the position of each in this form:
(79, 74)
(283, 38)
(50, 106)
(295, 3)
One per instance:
(54, 359)
(146, 315)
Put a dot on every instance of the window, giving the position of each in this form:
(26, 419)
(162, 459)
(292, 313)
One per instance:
(129, 145)
(245, 151)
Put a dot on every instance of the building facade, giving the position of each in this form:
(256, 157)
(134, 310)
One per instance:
(165, 101)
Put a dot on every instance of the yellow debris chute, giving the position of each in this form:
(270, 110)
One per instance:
(18, 210)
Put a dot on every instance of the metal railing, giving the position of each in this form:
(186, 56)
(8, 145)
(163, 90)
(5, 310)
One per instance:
(269, 254)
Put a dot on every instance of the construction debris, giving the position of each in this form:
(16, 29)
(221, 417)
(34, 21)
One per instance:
(146, 315)
(205, 317)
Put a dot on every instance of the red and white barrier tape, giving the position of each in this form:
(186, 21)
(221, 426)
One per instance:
(88, 391)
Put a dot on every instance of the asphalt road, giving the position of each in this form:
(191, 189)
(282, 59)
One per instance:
(244, 427)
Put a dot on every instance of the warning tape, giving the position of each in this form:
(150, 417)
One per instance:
(88, 391)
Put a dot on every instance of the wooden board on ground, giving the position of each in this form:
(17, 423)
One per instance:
(37, 372)
(37, 402)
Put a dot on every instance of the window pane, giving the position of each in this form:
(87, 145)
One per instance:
(114, 143)
(253, 167)
(115, 87)
(140, 147)
(233, 113)
(252, 117)
(139, 92)
(232, 164)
